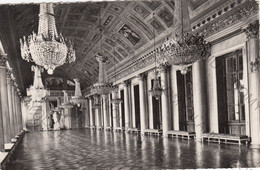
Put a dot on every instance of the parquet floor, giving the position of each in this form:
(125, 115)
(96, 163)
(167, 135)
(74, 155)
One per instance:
(88, 149)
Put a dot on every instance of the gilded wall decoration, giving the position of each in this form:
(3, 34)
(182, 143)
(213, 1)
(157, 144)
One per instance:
(129, 34)
(230, 18)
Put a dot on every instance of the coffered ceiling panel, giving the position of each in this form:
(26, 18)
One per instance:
(128, 27)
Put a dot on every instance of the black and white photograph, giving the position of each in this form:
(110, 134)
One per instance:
(129, 84)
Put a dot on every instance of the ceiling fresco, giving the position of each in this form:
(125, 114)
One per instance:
(128, 29)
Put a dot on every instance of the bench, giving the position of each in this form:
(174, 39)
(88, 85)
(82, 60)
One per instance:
(157, 132)
(181, 134)
(225, 138)
(133, 130)
(120, 129)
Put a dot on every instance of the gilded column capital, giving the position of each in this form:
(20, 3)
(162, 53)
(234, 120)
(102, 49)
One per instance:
(127, 83)
(164, 68)
(142, 76)
(252, 30)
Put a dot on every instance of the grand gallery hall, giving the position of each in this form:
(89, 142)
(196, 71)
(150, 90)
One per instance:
(169, 84)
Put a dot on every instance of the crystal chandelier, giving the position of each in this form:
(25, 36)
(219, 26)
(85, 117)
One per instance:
(77, 98)
(66, 103)
(47, 48)
(102, 87)
(187, 48)
(156, 91)
(37, 90)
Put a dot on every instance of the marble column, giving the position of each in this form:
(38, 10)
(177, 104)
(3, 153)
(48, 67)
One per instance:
(174, 100)
(115, 111)
(252, 32)
(143, 114)
(133, 123)
(165, 106)
(44, 116)
(14, 107)
(98, 117)
(2, 136)
(10, 83)
(91, 112)
(87, 115)
(105, 111)
(20, 113)
(199, 97)
(4, 98)
(126, 104)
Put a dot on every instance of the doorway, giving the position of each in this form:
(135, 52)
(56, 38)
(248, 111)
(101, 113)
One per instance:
(231, 107)
(185, 101)
(137, 106)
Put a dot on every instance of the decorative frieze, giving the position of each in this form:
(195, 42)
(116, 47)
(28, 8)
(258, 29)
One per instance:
(230, 18)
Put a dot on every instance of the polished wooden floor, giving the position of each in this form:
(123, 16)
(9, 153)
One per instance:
(88, 149)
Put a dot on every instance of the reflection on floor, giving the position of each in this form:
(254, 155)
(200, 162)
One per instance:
(88, 149)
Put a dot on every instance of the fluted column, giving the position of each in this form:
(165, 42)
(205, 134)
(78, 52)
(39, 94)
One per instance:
(126, 104)
(4, 98)
(199, 97)
(10, 83)
(165, 107)
(143, 114)
(252, 32)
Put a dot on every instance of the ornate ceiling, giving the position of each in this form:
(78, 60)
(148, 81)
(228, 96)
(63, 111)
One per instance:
(128, 29)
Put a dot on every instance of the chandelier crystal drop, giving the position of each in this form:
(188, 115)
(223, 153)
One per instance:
(77, 98)
(37, 92)
(184, 50)
(156, 91)
(47, 48)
